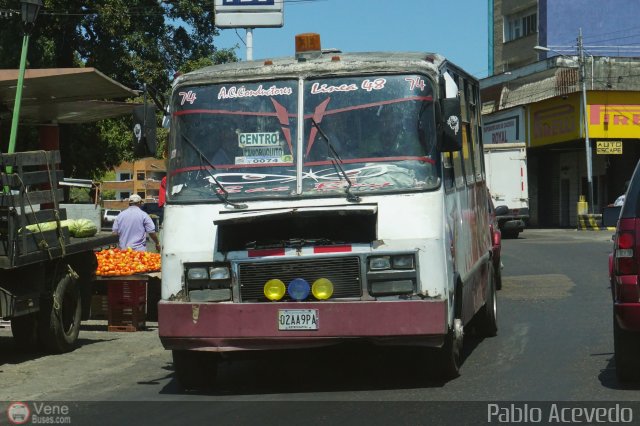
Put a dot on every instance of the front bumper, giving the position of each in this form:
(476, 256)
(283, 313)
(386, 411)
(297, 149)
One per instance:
(224, 327)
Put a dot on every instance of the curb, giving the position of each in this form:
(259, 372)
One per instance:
(591, 222)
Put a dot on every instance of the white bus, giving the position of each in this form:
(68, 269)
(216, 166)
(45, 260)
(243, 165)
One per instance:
(320, 198)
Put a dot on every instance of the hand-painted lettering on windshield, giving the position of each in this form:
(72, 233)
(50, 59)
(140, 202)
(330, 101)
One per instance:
(189, 96)
(317, 88)
(415, 82)
(242, 92)
(377, 84)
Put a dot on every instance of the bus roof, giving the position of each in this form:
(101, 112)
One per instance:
(326, 64)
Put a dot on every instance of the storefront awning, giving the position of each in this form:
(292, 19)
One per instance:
(64, 95)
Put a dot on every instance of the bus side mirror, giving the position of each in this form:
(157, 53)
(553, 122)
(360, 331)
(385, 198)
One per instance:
(144, 131)
(450, 125)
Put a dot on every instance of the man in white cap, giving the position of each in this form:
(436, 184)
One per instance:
(132, 226)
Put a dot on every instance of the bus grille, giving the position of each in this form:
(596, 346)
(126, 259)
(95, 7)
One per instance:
(343, 272)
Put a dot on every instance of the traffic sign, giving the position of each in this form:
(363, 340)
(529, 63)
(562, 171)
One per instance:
(248, 13)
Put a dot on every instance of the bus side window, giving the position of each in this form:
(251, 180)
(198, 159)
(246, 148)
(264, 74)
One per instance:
(467, 133)
(458, 169)
(478, 158)
(448, 175)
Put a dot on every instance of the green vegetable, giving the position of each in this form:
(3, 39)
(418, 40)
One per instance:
(49, 226)
(79, 228)
(84, 228)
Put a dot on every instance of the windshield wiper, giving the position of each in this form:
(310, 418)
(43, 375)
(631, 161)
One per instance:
(224, 197)
(337, 163)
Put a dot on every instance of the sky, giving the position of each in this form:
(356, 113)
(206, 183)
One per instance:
(456, 29)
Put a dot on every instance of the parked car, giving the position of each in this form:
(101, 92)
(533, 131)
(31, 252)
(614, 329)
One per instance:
(496, 244)
(109, 216)
(624, 275)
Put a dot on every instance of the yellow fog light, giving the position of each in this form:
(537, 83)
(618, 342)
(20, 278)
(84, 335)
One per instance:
(274, 289)
(322, 289)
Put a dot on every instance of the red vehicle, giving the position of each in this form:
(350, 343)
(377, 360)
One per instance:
(624, 272)
(496, 243)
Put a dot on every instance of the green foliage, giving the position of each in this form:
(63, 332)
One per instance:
(132, 41)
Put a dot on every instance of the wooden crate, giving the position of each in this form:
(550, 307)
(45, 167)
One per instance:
(127, 300)
(127, 319)
(99, 306)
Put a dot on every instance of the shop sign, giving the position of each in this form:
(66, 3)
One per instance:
(554, 121)
(609, 147)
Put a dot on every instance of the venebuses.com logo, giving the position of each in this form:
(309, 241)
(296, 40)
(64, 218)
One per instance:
(20, 413)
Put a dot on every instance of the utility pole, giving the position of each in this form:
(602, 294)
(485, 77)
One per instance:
(585, 123)
(249, 44)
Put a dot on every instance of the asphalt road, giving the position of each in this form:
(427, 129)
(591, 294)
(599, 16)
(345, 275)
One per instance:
(554, 345)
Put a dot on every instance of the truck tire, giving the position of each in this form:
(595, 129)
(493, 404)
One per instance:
(60, 316)
(195, 370)
(626, 346)
(25, 331)
(510, 234)
(487, 316)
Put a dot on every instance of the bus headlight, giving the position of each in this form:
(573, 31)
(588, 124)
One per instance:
(379, 263)
(219, 273)
(404, 261)
(208, 282)
(197, 274)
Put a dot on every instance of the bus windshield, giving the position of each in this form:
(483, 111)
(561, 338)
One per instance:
(372, 134)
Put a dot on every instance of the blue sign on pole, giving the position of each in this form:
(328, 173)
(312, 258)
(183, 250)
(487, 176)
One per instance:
(248, 2)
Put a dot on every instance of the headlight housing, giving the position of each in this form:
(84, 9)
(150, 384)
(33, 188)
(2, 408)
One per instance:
(208, 282)
(392, 275)
(379, 263)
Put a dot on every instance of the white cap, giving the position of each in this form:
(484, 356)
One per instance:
(135, 199)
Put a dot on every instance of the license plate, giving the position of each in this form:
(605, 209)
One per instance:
(297, 319)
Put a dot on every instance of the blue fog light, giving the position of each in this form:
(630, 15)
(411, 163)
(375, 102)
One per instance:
(299, 289)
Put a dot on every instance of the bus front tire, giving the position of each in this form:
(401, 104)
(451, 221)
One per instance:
(448, 358)
(195, 370)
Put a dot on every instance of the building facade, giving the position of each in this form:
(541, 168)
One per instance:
(141, 177)
(563, 73)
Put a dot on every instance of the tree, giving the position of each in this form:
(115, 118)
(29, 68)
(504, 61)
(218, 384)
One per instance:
(131, 41)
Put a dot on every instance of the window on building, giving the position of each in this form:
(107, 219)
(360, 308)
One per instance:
(520, 25)
(125, 176)
(140, 176)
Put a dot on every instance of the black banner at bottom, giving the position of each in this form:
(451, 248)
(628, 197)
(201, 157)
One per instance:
(180, 412)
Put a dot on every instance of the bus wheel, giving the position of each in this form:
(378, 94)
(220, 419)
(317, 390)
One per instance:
(60, 316)
(449, 356)
(487, 316)
(195, 370)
